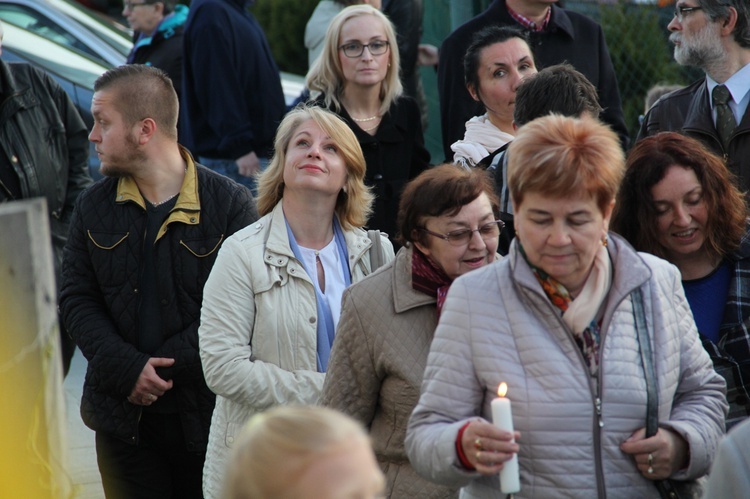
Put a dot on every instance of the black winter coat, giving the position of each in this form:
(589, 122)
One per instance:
(570, 37)
(394, 155)
(164, 52)
(100, 298)
(45, 142)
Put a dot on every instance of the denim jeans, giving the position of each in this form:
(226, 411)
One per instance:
(229, 168)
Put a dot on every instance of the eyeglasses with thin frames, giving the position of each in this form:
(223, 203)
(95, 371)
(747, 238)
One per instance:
(463, 237)
(683, 10)
(356, 49)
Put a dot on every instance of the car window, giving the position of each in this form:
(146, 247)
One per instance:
(52, 57)
(35, 22)
(113, 33)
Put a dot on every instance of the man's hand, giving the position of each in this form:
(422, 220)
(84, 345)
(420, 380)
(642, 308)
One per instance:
(248, 165)
(427, 55)
(150, 386)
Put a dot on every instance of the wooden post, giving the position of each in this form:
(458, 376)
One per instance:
(33, 443)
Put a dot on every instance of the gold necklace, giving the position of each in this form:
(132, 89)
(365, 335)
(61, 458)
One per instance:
(371, 128)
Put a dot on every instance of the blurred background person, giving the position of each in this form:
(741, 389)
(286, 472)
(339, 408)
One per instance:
(495, 64)
(555, 321)
(302, 451)
(45, 154)
(657, 92)
(730, 474)
(678, 201)
(654, 94)
(232, 100)
(157, 30)
(407, 17)
(448, 226)
(357, 77)
(273, 301)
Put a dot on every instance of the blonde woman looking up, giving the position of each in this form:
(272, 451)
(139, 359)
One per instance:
(293, 452)
(357, 77)
(273, 299)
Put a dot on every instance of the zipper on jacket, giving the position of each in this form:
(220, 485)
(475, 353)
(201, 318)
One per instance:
(598, 425)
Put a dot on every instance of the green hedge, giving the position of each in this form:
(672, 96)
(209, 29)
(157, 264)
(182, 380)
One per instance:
(284, 23)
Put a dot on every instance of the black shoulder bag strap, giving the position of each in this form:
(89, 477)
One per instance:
(666, 489)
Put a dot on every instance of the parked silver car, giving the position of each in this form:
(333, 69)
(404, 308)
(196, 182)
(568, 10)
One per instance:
(72, 25)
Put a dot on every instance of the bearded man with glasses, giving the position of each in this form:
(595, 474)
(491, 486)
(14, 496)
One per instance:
(713, 35)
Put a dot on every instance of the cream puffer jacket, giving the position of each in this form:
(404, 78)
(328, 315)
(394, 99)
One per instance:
(498, 325)
(258, 330)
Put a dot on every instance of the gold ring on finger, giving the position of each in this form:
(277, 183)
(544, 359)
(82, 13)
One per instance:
(478, 444)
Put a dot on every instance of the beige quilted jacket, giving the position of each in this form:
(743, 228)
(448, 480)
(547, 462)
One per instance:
(258, 335)
(376, 367)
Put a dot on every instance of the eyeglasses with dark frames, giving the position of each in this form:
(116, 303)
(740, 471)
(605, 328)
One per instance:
(462, 237)
(356, 49)
(133, 5)
(682, 10)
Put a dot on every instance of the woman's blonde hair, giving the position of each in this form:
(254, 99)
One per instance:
(559, 156)
(278, 445)
(326, 74)
(354, 203)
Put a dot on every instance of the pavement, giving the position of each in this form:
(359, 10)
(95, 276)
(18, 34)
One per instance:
(82, 467)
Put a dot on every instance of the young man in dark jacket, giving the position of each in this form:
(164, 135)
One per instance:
(142, 243)
(43, 153)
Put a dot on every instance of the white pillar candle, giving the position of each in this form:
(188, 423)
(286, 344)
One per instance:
(503, 419)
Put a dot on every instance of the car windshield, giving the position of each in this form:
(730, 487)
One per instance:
(112, 32)
(52, 57)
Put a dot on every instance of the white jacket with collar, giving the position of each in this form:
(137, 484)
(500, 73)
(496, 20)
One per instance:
(498, 325)
(258, 332)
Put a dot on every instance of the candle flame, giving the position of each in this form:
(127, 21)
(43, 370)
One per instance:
(502, 389)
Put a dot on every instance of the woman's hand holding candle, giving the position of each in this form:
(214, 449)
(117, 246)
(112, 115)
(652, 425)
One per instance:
(487, 448)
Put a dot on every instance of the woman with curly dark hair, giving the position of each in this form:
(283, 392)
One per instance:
(679, 201)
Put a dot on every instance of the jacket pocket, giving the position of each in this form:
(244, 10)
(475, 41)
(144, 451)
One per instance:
(109, 256)
(195, 257)
(107, 240)
(203, 247)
